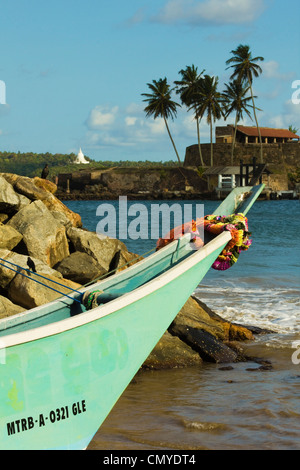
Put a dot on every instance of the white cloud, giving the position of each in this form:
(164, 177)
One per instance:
(130, 120)
(210, 11)
(157, 126)
(101, 116)
(289, 116)
(271, 69)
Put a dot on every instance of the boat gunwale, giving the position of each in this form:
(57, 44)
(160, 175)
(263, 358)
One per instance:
(128, 273)
(116, 304)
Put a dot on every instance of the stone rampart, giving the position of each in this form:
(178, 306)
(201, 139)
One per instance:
(275, 154)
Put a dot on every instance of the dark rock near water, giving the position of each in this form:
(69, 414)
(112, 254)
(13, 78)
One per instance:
(204, 333)
(170, 352)
(209, 348)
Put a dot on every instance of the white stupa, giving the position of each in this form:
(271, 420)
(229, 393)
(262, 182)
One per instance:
(80, 158)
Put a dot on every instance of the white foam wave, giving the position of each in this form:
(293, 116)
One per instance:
(277, 309)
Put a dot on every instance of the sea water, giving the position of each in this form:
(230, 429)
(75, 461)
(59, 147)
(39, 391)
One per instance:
(208, 407)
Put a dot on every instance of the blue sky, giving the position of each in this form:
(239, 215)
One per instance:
(74, 70)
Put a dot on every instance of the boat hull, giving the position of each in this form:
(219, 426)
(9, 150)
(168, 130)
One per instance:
(59, 382)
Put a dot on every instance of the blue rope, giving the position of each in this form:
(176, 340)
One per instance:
(38, 282)
(36, 274)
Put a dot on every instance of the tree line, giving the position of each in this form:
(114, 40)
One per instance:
(31, 164)
(200, 93)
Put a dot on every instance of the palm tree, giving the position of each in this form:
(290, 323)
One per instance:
(187, 88)
(161, 105)
(236, 100)
(292, 129)
(210, 102)
(245, 68)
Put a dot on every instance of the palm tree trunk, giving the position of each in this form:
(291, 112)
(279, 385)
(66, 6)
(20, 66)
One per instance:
(234, 137)
(178, 158)
(211, 146)
(199, 145)
(254, 112)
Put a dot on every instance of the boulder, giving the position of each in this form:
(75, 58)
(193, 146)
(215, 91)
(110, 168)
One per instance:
(7, 308)
(25, 186)
(223, 329)
(170, 352)
(44, 237)
(45, 184)
(66, 216)
(198, 334)
(196, 314)
(6, 274)
(29, 189)
(101, 249)
(80, 267)
(3, 218)
(9, 200)
(29, 294)
(207, 345)
(125, 260)
(9, 237)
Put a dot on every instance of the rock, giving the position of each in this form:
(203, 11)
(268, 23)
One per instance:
(80, 267)
(44, 237)
(9, 200)
(171, 352)
(9, 237)
(7, 308)
(125, 260)
(102, 250)
(3, 218)
(27, 293)
(197, 335)
(213, 323)
(69, 217)
(39, 189)
(25, 186)
(208, 346)
(45, 184)
(6, 274)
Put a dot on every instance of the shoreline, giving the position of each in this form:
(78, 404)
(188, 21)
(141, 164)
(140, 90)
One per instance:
(154, 196)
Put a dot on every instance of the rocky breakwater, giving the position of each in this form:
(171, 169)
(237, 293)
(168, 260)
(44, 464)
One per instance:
(35, 224)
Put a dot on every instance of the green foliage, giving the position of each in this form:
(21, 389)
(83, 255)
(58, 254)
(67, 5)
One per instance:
(31, 164)
(294, 176)
(293, 129)
(200, 171)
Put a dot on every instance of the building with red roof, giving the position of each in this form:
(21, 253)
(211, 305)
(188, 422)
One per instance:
(249, 135)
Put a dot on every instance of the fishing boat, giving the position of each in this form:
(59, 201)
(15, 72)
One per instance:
(64, 366)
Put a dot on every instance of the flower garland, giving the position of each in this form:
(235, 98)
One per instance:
(237, 224)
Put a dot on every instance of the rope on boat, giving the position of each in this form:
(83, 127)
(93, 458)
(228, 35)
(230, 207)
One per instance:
(92, 298)
(45, 285)
(37, 274)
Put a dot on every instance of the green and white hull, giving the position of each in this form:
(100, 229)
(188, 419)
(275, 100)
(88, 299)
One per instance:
(58, 382)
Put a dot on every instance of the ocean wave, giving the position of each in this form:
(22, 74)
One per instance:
(277, 309)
